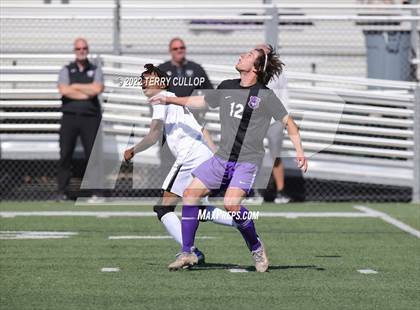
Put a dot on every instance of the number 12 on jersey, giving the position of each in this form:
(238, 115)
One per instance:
(236, 110)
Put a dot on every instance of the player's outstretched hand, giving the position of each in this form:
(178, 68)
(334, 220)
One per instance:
(158, 99)
(302, 162)
(128, 154)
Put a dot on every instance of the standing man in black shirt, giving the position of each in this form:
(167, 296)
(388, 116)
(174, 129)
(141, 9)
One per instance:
(79, 83)
(185, 76)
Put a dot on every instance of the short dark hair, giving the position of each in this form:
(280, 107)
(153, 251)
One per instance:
(151, 69)
(268, 65)
(174, 40)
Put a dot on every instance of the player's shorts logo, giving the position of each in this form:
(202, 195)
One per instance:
(254, 102)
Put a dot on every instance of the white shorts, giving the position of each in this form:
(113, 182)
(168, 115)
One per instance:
(180, 175)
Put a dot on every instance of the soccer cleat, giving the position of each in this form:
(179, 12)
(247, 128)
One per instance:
(282, 197)
(96, 200)
(61, 197)
(200, 256)
(183, 261)
(260, 258)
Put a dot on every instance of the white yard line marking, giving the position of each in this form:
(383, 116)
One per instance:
(110, 269)
(107, 214)
(152, 237)
(81, 201)
(293, 215)
(237, 270)
(389, 219)
(36, 234)
(367, 271)
(104, 214)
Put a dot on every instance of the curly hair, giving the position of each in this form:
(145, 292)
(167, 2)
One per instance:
(268, 65)
(162, 76)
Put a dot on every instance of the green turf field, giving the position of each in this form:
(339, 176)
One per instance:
(314, 262)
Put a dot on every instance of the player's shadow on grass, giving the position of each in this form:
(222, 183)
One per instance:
(217, 266)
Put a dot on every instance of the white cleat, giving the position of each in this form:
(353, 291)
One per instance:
(96, 200)
(183, 261)
(281, 198)
(260, 258)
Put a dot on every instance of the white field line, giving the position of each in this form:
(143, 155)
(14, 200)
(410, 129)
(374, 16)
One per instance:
(107, 214)
(293, 215)
(110, 269)
(367, 271)
(237, 270)
(104, 214)
(36, 234)
(81, 201)
(389, 219)
(152, 237)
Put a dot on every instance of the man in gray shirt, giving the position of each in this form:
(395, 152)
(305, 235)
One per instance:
(79, 83)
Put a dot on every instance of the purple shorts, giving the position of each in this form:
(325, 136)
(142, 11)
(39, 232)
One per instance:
(219, 174)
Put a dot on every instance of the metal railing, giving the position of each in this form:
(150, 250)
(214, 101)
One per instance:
(312, 38)
(375, 138)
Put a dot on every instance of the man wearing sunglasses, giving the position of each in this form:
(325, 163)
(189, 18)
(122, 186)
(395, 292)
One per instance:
(184, 74)
(79, 84)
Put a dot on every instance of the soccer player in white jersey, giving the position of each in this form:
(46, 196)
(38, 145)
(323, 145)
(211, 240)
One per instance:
(189, 146)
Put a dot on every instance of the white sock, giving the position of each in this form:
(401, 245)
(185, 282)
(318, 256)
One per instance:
(173, 226)
(219, 216)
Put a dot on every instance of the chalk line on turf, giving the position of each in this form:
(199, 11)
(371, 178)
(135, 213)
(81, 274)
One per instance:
(389, 219)
(364, 212)
(367, 271)
(237, 270)
(5, 235)
(152, 237)
(110, 269)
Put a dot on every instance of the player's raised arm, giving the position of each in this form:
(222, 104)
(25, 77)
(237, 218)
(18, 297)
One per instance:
(293, 132)
(193, 102)
(150, 139)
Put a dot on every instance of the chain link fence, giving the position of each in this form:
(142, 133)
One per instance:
(311, 39)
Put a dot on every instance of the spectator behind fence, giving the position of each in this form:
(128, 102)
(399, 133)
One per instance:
(79, 83)
(185, 76)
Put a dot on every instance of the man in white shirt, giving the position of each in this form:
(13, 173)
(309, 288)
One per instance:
(187, 143)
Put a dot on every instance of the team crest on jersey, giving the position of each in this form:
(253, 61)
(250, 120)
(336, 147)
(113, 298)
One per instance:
(90, 73)
(169, 73)
(189, 72)
(254, 102)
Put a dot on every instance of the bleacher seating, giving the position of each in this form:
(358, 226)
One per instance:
(352, 128)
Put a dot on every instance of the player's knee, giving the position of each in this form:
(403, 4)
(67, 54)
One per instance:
(190, 197)
(231, 203)
(188, 193)
(162, 210)
(230, 208)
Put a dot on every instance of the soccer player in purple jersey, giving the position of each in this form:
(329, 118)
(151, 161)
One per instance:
(246, 109)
